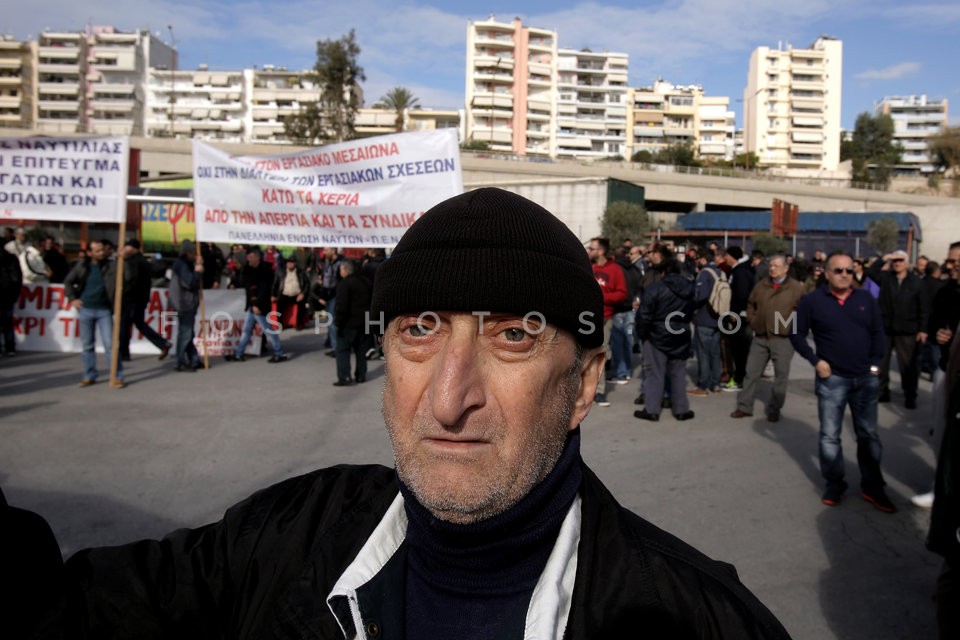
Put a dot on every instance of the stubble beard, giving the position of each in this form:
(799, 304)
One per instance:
(503, 484)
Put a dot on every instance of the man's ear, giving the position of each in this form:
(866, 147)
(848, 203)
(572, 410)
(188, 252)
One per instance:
(590, 371)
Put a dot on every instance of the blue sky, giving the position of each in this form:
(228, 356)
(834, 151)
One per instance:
(889, 47)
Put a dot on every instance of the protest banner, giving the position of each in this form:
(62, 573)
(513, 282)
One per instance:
(64, 179)
(362, 193)
(44, 321)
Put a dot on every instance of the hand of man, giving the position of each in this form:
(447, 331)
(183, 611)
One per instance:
(823, 369)
(77, 304)
(300, 298)
(256, 310)
(922, 337)
(944, 336)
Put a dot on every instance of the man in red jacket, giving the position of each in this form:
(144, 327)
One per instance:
(610, 277)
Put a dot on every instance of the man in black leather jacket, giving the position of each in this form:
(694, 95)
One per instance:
(491, 526)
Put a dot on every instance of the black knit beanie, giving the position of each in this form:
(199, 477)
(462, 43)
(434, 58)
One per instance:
(492, 250)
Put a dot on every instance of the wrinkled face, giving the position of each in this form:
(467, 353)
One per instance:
(778, 268)
(478, 415)
(840, 273)
(899, 265)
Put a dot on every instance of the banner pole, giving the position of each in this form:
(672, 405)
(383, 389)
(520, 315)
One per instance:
(204, 325)
(117, 310)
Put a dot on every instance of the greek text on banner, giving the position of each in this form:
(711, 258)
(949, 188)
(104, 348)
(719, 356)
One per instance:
(362, 193)
(68, 179)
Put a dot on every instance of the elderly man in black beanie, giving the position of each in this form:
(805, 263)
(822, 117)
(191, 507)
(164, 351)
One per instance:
(491, 526)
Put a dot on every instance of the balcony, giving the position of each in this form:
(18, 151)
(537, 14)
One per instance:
(65, 69)
(807, 121)
(496, 62)
(806, 85)
(10, 81)
(815, 137)
(113, 88)
(487, 100)
(59, 106)
(539, 68)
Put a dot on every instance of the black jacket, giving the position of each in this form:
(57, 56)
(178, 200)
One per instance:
(944, 534)
(944, 314)
(281, 276)
(665, 314)
(742, 278)
(11, 277)
(137, 278)
(258, 281)
(631, 273)
(266, 569)
(904, 306)
(354, 294)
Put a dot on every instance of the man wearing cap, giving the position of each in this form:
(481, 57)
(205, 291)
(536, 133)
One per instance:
(34, 269)
(185, 285)
(906, 311)
(136, 296)
(491, 526)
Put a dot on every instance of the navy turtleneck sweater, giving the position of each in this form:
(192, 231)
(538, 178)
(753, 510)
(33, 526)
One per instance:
(474, 581)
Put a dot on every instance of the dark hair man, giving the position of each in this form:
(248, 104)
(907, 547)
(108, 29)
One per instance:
(136, 296)
(612, 283)
(491, 525)
(258, 279)
(90, 287)
(848, 332)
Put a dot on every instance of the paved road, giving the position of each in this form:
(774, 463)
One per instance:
(175, 449)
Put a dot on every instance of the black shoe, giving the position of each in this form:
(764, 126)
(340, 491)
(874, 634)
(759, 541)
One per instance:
(878, 498)
(331, 353)
(910, 403)
(643, 414)
(126, 358)
(833, 494)
(230, 357)
(274, 359)
(183, 367)
(361, 379)
(640, 400)
(343, 383)
(773, 416)
(164, 350)
(684, 416)
(884, 396)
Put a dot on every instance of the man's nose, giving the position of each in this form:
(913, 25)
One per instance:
(457, 386)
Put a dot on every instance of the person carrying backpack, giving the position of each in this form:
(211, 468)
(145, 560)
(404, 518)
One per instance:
(712, 294)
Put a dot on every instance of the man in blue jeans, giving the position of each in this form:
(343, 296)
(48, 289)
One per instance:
(706, 340)
(258, 281)
(848, 331)
(90, 287)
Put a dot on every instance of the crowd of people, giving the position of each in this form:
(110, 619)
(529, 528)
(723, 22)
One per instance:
(483, 407)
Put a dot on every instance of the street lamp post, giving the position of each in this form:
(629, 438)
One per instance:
(173, 77)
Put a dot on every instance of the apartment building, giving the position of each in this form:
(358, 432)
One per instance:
(91, 81)
(510, 87)
(18, 81)
(715, 127)
(792, 106)
(195, 104)
(665, 114)
(378, 122)
(592, 104)
(915, 120)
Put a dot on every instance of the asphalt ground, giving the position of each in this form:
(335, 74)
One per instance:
(175, 449)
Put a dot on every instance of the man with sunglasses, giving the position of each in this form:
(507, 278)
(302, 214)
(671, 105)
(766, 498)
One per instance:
(848, 333)
(906, 310)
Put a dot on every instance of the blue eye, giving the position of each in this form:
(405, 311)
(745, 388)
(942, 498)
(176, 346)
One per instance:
(514, 334)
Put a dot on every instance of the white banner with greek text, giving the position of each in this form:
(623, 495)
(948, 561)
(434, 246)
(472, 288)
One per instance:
(66, 179)
(44, 321)
(362, 193)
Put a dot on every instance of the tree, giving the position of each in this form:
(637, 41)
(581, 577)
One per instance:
(681, 154)
(338, 75)
(475, 145)
(945, 149)
(770, 244)
(883, 234)
(398, 99)
(624, 220)
(644, 156)
(872, 149)
(747, 160)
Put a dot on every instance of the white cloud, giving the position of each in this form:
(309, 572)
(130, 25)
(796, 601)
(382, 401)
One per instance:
(893, 72)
